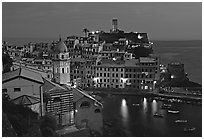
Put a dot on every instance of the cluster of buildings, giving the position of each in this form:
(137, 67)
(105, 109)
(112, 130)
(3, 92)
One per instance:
(97, 60)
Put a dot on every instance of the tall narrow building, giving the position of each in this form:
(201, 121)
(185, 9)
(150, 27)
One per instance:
(61, 63)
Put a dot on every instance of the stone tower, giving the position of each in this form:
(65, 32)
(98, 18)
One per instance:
(61, 63)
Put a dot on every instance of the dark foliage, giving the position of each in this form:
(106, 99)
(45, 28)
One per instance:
(7, 62)
(48, 125)
(18, 115)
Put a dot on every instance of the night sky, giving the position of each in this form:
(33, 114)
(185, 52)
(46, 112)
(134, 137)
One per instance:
(162, 21)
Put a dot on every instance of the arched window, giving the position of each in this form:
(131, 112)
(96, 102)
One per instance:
(85, 104)
(62, 56)
(97, 111)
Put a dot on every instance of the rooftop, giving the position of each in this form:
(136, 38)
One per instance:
(146, 60)
(21, 72)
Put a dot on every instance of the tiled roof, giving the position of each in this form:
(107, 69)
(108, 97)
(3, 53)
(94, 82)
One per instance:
(51, 86)
(146, 59)
(111, 63)
(78, 94)
(21, 72)
(78, 59)
(132, 63)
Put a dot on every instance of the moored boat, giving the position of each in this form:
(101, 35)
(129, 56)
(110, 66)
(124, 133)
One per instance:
(158, 115)
(173, 111)
(137, 104)
(189, 129)
(181, 121)
(165, 106)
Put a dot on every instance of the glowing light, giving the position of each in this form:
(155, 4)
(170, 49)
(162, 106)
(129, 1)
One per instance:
(154, 101)
(124, 79)
(95, 79)
(139, 36)
(76, 110)
(144, 100)
(172, 76)
(124, 102)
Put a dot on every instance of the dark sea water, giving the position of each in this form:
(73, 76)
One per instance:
(187, 52)
(138, 121)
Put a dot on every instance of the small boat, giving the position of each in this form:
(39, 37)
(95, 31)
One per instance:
(173, 111)
(137, 104)
(165, 106)
(168, 105)
(189, 129)
(158, 115)
(181, 121)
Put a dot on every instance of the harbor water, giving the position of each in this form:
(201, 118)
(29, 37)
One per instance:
(134, 116)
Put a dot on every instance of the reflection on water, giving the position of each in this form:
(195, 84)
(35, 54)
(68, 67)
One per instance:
(154, 106)
(138, 120)
(145, 105)
(124, 111)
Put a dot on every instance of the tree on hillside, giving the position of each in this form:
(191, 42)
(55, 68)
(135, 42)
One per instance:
(7, 62)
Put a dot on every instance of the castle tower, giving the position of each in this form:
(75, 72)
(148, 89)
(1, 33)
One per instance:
(114, 25)
(61, 63)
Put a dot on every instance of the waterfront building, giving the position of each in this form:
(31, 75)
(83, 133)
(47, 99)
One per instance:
(60, 104)
(136, 74)
(23, 84)
(149, 72)
(176, 72)
(109, 73)
(88, 111)
(132, 73)
(61, 63)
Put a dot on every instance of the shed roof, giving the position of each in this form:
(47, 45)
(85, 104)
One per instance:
(25, 73)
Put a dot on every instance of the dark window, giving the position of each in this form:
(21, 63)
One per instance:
(121, 75)
(104, 74)
(116, 75)
(97, 111)
(17, 89)
(62, 70)
(57, 99)
(113, 75)
(85, 104)
(62, 56)
(4, 90)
